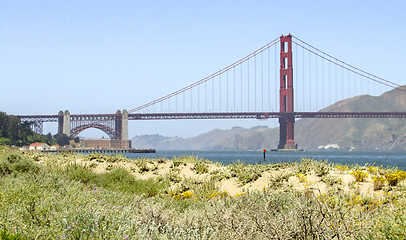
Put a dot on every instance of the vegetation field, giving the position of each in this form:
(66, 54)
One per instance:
(68, 196)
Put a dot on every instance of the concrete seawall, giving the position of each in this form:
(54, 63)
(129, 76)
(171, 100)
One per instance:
(92, 150)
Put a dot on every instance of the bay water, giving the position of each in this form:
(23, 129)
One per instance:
(373, 157)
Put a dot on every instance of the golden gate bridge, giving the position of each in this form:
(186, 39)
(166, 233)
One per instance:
(258, 86)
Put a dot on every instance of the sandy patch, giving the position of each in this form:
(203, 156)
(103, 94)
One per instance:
(310, 182)
(261, 183)
(231, 186)
(365, 188)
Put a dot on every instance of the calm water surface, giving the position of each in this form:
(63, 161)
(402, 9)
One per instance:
(376, 157)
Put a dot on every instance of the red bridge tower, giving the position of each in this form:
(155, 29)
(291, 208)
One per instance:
(286, 124)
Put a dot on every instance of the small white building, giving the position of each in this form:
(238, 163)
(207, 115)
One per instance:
(25, 148)
(55, 147)
(39, 146)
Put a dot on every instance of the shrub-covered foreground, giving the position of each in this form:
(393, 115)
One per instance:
(55, 197)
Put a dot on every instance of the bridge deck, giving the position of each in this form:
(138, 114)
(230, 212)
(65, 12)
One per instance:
(227, 115)
(264, 115)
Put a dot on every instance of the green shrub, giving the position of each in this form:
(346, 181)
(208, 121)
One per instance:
(331, 180)
(360, 176)
(182, 160)
(80, 173)
(391, 222)
(114, 158)
(161, 160)
(95, 156)
(117, 179)
(176, 162)
(218, 175)
(245, 173)
(5, 235)
(393, 177)
(15, 162)
(277, 181)
(173, 176)
(110, 158)
(306, 165)
(142, 165)
(206, 189)
(200, 167)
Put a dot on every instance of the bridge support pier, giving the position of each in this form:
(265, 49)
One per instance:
(60, 122)
(282, 133)
(122, 124)
(290, 132)
(119, 125)
(286, 124)
(66, 123)
(124, 129)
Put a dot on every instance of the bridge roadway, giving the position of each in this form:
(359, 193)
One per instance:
(116, 125)
(223, 115)
(55, 118)
(264, 115)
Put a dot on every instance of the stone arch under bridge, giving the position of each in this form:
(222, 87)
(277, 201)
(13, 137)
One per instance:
(114, 125)
(106, 129)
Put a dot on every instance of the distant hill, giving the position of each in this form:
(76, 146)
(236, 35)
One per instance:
(384, 133)
(381, 133)
(236, 138)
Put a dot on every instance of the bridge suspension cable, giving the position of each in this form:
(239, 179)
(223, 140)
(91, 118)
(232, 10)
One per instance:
(345, 65)
(218, 73)
(319, 82)
(248, 85)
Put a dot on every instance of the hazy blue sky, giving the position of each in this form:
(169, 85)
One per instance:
(101, 56)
